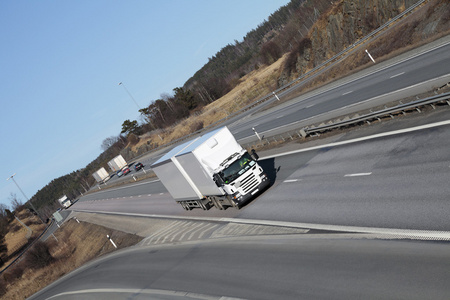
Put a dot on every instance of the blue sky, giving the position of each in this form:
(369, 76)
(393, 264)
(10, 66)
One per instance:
(61, 62)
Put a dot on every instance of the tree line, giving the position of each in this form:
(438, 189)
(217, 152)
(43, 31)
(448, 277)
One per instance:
(268, 42)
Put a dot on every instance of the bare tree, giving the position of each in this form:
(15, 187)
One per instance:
(108, 142)
(16, 204)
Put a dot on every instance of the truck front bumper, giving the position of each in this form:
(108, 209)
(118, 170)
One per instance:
(255, 192)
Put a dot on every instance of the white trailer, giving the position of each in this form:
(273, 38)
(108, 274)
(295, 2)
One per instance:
(64, 201)
(211, 170)
(117, 163)
(101, 175)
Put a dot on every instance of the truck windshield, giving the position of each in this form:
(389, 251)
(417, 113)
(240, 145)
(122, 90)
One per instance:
(237, 168)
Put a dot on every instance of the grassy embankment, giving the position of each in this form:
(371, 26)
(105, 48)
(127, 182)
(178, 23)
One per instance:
(76, 244)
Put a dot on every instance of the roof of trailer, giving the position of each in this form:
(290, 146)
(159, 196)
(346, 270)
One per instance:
(187, 147)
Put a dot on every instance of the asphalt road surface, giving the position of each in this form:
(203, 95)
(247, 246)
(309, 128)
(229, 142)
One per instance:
(265, 267)
(398, 181)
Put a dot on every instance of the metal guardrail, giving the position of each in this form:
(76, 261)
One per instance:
(355, 120)
(354, 45)
(401, 108)
(294, 82)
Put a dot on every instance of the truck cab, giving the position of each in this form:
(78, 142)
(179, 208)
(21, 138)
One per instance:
(241, 177)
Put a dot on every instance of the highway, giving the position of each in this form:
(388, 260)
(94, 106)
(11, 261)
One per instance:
(396, 180)
(369, 88)
(265, 267)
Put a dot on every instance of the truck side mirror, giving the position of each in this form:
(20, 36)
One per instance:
(254, 155)
(218, 180)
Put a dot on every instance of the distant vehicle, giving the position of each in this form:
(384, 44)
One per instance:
(212, 170)
(126, 170)
(138, 166)
(101, 175)
(117, 163)
(64, 202)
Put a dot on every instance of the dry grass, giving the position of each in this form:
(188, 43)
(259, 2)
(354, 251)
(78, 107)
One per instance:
(16, 239)
(77, 244)
(251, 87)
(404, 36)
(407, 34)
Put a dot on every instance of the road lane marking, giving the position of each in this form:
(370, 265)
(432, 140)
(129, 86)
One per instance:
(130, 293)
(392, 232)
(399, 74)
(280, 116)
(292, 180)
(366, 138)
(358, 174)
(311, 105)
(243, 140)
(347, 93)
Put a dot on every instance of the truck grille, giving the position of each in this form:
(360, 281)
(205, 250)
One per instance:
(249, 183)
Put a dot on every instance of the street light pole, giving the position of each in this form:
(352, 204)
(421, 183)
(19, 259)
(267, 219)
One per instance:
(121, 83)
(32, 206)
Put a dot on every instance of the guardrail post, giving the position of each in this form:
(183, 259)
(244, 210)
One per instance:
(256, 133)
(370, 56)
(276, 96)
(112, 242)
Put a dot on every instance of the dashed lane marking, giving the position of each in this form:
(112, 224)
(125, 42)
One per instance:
(358, 174)
(399, 74)
(292, 180)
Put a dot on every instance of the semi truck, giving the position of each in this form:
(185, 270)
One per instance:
(211, 170)
(101, 175)
(64, 201)
(117, 163)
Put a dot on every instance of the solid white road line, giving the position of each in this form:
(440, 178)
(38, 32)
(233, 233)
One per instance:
(405, 233)
(347, 93)
(158, 294)
(366, 138)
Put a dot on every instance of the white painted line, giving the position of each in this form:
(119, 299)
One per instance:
(292, 180)
(242, 140)
(399, 74)
(161, 193)
(280, 116)
(409, 233)
(151, 293)
(358, 174)
(347, 93)
(366, 138)
(128, 186)
(311, 105)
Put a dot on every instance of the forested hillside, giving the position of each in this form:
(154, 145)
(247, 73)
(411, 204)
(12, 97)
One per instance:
(308, 31)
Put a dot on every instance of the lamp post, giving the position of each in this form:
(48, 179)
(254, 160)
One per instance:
(32, 206)
(121, 83)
